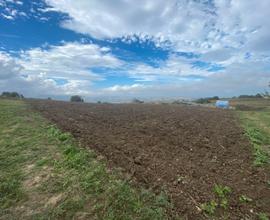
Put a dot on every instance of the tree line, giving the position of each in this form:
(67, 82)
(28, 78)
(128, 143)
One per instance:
(12, 95)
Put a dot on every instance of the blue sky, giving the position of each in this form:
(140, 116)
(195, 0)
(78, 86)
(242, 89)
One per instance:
(149, 49)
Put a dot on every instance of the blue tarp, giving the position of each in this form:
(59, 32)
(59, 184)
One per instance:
(222, 104)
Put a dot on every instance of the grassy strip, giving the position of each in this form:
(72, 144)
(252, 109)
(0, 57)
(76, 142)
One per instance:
(257, 127)
(12, 155)
(43, 170)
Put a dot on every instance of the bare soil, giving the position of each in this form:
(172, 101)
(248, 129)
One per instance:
(184, 150)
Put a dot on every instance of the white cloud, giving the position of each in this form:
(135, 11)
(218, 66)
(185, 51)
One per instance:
(160, 19)
(9, 9)
(174, 69)
(125, 88)
(35, 77)
(227, 84)
(9, 17)
(70, 61)
(8, 67)
(36, 72)
(190, 25)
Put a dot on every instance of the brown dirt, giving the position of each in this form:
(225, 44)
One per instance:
(185, 150)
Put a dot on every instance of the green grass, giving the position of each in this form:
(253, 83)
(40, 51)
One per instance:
(46, 175)
(257, 127)
(244, 199)
(221, 193)
(263, 216)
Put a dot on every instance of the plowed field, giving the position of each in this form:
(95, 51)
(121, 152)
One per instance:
(184, 150)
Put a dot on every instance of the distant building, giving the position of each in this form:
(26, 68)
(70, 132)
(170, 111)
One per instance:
(222, 104)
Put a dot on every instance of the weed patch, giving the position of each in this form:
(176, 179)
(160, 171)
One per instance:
(222, 193)
(244, 199)
(256, 128)
(209, 207)
(263, 216)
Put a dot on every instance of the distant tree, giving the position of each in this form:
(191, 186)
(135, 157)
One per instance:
(76, 98)
(206, 100)
(258, 95)
(49, 98)
(137, 101)
(202, 101)
(12, 95)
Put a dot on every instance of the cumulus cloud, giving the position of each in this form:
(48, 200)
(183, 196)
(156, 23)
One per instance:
(163, 20)
(173, 68)
(190, 25)
(8, 67)
(226, 84)
(37, 72)
(68, 61)
(9, 9)
(125, 88)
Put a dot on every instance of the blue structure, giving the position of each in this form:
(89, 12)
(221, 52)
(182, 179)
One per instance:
(222, 104)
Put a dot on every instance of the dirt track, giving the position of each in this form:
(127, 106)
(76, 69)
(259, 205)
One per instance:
(182, 149)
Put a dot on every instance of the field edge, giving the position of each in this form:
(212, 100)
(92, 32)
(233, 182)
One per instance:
(47, 175)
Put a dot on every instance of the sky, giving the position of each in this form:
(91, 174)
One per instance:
(123, 49)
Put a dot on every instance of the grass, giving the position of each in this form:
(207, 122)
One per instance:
(244, 199)
(257, 127)
(256, 122)
(209, 207)
(46, 175)
(263, 216)
(218, 207)
(222, 193)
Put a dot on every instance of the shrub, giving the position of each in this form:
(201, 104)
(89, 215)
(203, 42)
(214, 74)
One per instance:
(137, 101)
(207, 100)
(202, 101)
(76, 98)
(12, 95)
(258, 95)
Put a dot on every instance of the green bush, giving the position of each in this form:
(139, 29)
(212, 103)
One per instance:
(76, 98)
(12, 95)
(207, 100)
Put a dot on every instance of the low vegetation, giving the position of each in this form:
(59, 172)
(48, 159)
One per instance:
(207, 100)
(258, 95)
(221, 193)
(12, 95)
(137, 101)
(76, 98)
(46, 175)
(244, 199)
(257, 127)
